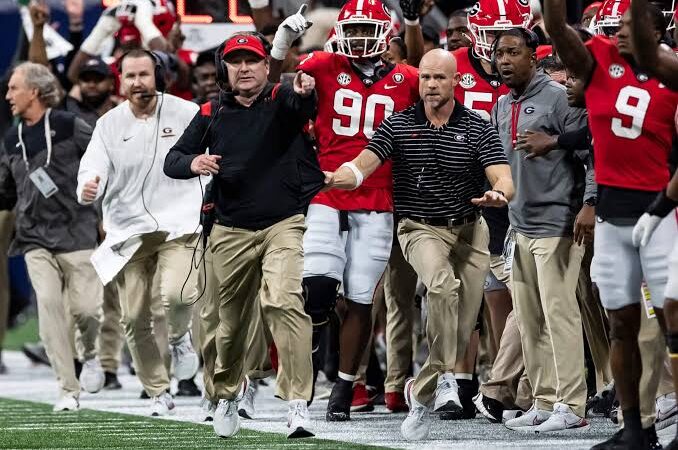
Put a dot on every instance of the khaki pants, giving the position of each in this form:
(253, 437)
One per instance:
(6, 231)
(399, 288)
(112, 336)
(544, 279)
(272, 259)
(594, 321)
(64, 284)
(172, 262)
(452, 264)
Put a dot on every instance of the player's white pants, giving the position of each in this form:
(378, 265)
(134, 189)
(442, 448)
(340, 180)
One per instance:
(619, 267)
(672, 285)
(357, 257)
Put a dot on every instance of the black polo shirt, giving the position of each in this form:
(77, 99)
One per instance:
(437, 171)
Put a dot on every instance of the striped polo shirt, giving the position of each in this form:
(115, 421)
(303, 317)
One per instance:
(437, 171)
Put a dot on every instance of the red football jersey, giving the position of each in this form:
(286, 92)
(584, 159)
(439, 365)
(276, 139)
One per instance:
(631, 121)
(349, 112)
(477, 90)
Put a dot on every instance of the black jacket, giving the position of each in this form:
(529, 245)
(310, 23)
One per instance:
(268, 169)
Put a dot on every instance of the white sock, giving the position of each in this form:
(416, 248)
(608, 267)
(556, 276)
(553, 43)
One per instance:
(346, 377)
(463, 376)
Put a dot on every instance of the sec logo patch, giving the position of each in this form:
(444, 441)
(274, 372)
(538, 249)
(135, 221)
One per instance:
(616, 71)
(468, 81)
(344, 79)
(398, 77)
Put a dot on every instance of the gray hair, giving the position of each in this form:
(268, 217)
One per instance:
(39, 77)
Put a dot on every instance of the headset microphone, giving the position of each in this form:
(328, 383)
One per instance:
(148, 95)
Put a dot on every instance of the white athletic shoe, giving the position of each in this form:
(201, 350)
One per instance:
(226, 419)
(298, 420)
(207, 408)
(509, 414)
(92, 377)
(246, 405)
(447, 394)
(667, 411)
(66, 403)
(417, 424)
(562, 419)
(528, 421)
(162, 405)
(184, 358)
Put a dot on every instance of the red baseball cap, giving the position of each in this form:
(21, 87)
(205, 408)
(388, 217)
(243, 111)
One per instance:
(244, 42)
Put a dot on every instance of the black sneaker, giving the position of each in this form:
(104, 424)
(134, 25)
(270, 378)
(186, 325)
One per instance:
(602, 403)
(468, 389)
(111, 382)
(652, 439)
(36, 353)
(77, 365)
(490, 408)
(624, 441)
(339, 405)
(188, 388)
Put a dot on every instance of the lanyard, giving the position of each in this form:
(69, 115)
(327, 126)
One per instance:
(48, 140)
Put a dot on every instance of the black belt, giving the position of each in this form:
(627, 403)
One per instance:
(445, 221)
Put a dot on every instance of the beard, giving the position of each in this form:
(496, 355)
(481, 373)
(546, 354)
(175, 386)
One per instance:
(94, 101)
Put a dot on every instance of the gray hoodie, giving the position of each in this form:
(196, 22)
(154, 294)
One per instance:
(550, 190)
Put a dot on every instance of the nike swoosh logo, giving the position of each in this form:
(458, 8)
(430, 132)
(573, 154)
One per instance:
(127, 139)
(388, 86)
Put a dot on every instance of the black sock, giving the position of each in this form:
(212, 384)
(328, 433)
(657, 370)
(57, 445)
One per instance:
(632, 422)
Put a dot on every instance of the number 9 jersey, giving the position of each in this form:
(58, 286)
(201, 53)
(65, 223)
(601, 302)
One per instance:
(351, 106)
(631, 121)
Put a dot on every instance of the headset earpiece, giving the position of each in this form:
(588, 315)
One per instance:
(222, 73)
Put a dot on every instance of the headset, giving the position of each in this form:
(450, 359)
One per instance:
(222, 73)
(530, 37)
(160, 66)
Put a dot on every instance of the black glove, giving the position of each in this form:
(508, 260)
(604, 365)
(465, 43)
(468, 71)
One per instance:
(410, 9)
(662, 205)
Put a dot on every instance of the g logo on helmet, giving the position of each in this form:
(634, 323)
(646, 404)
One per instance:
(524, 2)
(474, 10)
(242, 40)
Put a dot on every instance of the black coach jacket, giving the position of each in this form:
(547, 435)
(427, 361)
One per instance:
(268, 169)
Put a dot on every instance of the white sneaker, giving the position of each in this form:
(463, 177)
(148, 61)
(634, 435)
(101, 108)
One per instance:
(298, 420)
(184, 358)
(207, 408)
(509, 414)
(226, 419)
(528, 421)
(92, 377)
(667, 411)
(417, 424)
(447, 394)
(562, 419)
(246, 405)
(66, 403)
(162, 405)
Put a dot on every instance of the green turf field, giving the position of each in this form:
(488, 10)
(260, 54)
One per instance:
(34, 425)
(22, 333)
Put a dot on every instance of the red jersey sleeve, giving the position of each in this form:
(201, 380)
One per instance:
(315, 63)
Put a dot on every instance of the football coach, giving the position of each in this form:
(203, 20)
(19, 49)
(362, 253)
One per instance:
(265, 173)
(442, 155)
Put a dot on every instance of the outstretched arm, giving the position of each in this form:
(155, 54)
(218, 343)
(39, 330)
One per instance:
(569, 46)
(660, 62)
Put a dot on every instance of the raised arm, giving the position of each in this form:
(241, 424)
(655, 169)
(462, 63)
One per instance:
(37, 50)
(569, 46)
(414, 38)
(662, 63)
(291, 29)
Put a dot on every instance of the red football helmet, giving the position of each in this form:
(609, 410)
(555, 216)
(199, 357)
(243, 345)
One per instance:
(608, 17)
(164, 17)
(487, 17)
(375, 20)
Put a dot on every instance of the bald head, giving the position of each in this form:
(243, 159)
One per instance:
(437, 78)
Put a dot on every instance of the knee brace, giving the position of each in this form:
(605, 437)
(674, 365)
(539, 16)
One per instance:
(320, 297)
(672, 344)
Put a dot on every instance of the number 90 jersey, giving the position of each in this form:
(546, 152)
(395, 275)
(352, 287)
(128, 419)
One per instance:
(477, 90)
(349, 112)
(631, 121)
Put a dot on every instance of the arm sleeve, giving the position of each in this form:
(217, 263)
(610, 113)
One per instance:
(312, 63)
(382, 143)
(193, 142)
(574, 140)
(82, 134)
(591, 189)
(303, 107)
(7, 184)
(94, 162)
(490, 149)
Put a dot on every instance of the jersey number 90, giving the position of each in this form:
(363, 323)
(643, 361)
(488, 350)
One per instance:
(350, 103)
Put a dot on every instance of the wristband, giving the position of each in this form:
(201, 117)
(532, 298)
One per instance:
(412, 23)
(662, 205)
(356, 172)
(258, 4)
